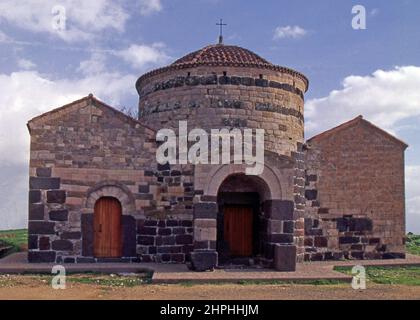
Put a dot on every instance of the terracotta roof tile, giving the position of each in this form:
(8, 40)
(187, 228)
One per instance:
(222, 55)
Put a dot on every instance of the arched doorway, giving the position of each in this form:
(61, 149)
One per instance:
(240, 220)
(107, 241)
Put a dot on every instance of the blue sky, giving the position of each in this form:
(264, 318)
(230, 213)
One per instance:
(107, 44)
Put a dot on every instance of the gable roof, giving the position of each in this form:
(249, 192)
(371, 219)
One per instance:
(90, 100)
(352, 123)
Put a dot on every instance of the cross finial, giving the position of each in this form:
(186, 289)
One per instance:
(221, 24)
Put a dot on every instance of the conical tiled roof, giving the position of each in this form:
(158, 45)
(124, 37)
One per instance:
(220, 54)
(224, 56)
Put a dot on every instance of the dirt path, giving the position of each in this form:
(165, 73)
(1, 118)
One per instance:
(29, 288)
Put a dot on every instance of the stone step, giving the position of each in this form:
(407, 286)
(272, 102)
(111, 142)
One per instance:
(4, 251)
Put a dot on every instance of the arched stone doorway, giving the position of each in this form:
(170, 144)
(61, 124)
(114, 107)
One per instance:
(271, 196)
(126, 225)
(240, 219)
(107, 239)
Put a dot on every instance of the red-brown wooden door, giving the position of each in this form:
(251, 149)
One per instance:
(107, 228)
(238, 230)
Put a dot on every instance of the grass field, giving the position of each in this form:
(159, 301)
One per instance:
(409, 276)
(17, 239)
(413, 244)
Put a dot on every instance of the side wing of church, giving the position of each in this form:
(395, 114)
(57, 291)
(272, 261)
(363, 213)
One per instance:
(98, 194)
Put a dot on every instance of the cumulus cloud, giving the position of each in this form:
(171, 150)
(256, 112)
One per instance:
(385, 98)
(78, 15)
(140, 56)
(25, 64)
(26, 94)
(4, 37)
(294, 32)
(94, 65)
(150, 6)
(412, 180)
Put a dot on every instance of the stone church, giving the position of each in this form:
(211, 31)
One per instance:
(98, 194)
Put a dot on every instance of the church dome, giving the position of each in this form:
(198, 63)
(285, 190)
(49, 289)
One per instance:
(223, 55)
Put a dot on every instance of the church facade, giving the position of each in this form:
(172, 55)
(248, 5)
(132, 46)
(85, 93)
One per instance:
(98, 194)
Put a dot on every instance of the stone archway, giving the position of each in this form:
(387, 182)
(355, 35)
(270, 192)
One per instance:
(111, 189)
(116, 190)
(240, 219)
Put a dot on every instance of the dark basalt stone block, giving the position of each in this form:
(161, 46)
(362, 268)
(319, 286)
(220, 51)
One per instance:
(224, 80)
(41, 227)
(285, 258)
(59, 215)
(349, 240)
(247, 81)
(279, 209)
(44, 243)
(43, 172)
(150, 231)
(184, 239)
(280, 238)
(85, 260)
(235, 80)
(321, 242)
(41, 256)
(164, 167)
(311, 194)
(32, 242)
(71, 235)
(288, 227)
(41, 183)
(261, 83)
(36, 212)
(360, 224)
(56, 196)
(144, 189)
(393, 255)
(205, 210)
(62, 245)
(34, 196)
(129, 236)
(69, 260)
(204, 260)
(87, 234)
(146, 240)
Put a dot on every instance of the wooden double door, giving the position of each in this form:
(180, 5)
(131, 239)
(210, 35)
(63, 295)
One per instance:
(107, 241)
(238, 230)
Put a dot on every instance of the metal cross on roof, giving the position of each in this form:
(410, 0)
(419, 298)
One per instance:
(221, 24)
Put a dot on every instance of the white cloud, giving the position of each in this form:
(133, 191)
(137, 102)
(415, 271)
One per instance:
(27, 94)
(289, 32)
(80, 16)
(385, 98)
(4, 37)
(374, 12)
(94, 65)
(25, 64)
(412, 180)
(150, 6)
(140, 56)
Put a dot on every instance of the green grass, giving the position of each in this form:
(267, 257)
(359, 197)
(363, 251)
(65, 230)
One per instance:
(268, 283)
(413, 244)
(409, 275)
(17, 239)
(91, 278)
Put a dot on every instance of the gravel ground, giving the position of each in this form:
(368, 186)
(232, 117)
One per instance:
(26, 287)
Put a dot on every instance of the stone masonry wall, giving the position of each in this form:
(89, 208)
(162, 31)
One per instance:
(86, 150)
(227, 97)
(355, 202)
